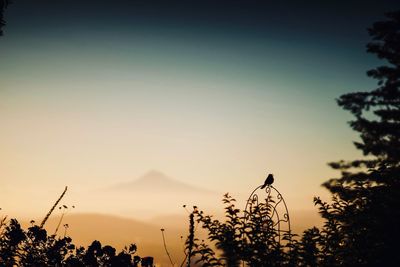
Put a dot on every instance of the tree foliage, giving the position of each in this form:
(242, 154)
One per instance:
(366, 196)
(3, 5)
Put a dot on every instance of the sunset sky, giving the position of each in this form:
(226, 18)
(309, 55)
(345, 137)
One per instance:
(215, 94)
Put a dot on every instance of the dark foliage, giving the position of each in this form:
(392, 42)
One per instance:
(3, 5)
(364, 216)
(33, 247)
(248, 237)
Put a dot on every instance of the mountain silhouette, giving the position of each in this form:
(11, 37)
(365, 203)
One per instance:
(147, 196)
(157, 182)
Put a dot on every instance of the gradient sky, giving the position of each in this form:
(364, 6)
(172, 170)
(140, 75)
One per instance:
(213, 93)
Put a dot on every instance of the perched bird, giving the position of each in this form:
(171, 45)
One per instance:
(268, 181)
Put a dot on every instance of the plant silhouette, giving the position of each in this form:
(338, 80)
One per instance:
(243, 237)
(34, 247)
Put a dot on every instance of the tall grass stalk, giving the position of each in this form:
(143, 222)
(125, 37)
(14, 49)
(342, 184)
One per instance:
(52, 208)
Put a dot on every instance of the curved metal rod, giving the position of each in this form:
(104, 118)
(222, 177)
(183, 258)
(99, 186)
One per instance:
(279, 225)
(279, 197)
(286, 215)
(248, 202)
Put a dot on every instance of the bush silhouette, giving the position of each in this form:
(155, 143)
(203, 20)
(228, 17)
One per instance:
(34, 247)
(243, 237)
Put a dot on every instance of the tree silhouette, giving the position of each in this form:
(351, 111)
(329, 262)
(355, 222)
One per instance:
(3, 6)
(364, 218)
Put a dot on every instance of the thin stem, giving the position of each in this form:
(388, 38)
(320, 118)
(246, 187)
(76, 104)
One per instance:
(59, 223)
(165, 247)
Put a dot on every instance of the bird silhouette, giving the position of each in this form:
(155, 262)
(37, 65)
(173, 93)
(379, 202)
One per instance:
(268, 181)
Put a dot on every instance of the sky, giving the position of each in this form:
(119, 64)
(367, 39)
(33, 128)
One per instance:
(216, 94)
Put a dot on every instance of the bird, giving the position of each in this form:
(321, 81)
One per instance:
(268, 181)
